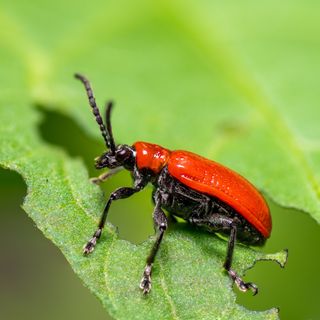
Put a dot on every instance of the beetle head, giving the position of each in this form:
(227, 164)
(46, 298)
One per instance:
(117, 156)
(124, 156)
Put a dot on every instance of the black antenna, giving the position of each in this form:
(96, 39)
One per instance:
(109, 106)
(106, 133)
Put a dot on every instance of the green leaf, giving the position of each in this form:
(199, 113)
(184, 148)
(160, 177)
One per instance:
(188, 277)
(231, 81)
(63, 204)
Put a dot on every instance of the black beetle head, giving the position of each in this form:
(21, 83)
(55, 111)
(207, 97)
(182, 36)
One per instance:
(123, 156)
(118, 155)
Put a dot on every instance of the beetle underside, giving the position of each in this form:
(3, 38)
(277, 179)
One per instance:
(203, 210)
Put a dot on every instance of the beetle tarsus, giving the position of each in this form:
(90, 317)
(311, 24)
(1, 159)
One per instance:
(243, 286)
(145, 284)
(105, 176)
(253, 287)
(89, 247)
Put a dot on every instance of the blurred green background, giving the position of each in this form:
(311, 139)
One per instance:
(159, 61)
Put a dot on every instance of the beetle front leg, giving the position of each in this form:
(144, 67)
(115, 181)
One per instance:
(161, 224)
(120, 193)
(140, 181)
(105, 176)
(217, 222)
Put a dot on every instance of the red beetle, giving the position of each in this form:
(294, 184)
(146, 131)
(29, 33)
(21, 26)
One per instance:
(202, 192)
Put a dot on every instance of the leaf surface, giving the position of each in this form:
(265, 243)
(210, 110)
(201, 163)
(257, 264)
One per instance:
(233, 82)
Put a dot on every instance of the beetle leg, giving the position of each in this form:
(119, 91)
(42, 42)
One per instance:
(243, 286)
(218, 222)
(104, 176)
(140, 181)
(120, 193)
(161, 224)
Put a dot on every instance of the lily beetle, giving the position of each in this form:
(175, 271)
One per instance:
(202, 192)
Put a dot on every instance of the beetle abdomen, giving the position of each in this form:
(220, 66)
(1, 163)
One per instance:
(216, 180)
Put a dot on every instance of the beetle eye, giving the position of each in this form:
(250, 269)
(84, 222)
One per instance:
(122, 154)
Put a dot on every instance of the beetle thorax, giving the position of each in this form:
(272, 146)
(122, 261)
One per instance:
(151, 156)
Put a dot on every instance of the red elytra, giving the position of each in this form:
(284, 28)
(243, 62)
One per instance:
(211, 178)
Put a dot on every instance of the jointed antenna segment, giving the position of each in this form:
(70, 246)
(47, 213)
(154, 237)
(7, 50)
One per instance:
(106, 134)
(109, 106)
